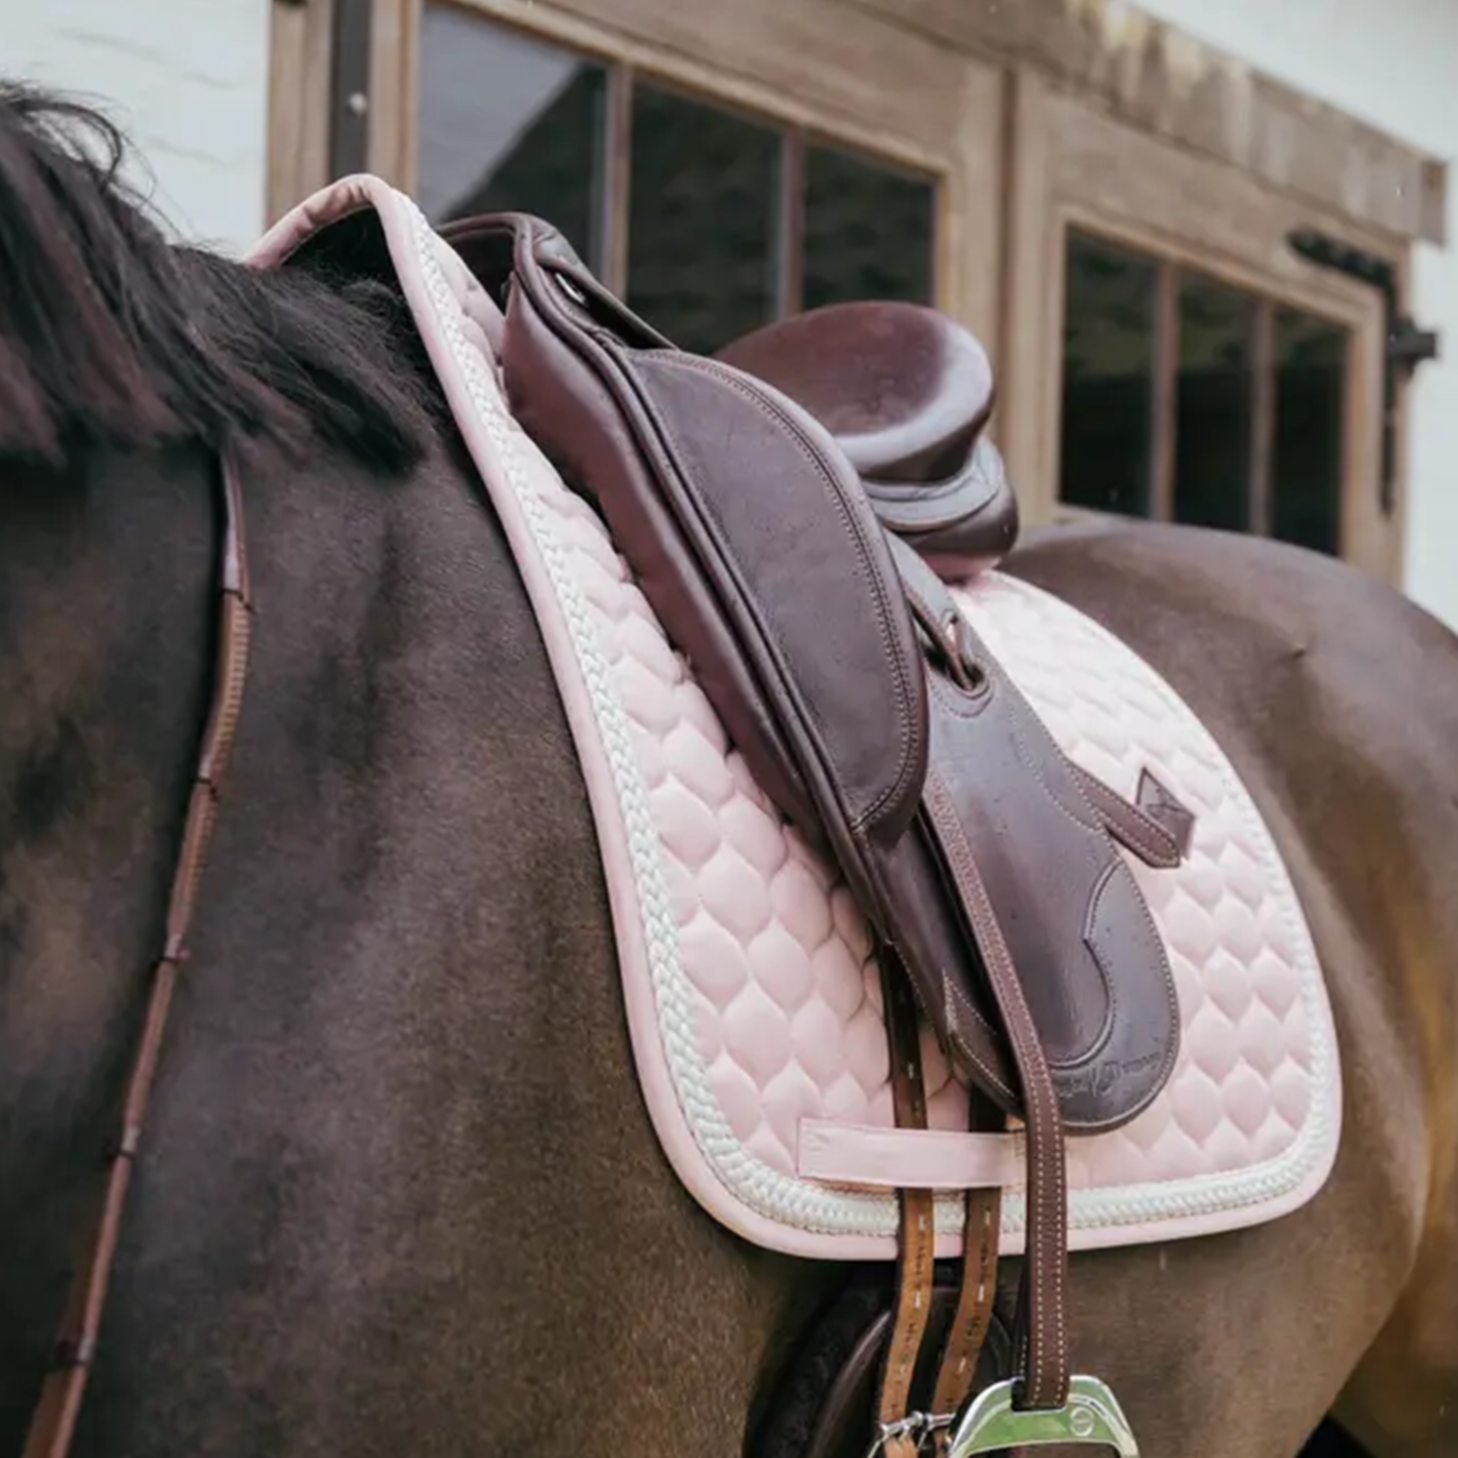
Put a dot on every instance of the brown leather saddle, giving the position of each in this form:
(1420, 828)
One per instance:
(787, 508)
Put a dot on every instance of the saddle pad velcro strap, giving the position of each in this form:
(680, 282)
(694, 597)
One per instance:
(747, 532)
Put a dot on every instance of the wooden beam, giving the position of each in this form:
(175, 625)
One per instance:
(821, 64)
(1117, 174)
(1164, 81)
(1029, 346)
(298, 103)
(394, 102)
(616, 162)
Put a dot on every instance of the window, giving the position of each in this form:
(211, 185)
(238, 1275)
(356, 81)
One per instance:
(702, 220)
(1186, 399)
(1310, 367)
(868, 231)
(510, 124)
(708, 221)
(1108, 380)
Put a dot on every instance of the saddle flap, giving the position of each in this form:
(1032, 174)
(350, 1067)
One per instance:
(1002, 797)
(746, 528)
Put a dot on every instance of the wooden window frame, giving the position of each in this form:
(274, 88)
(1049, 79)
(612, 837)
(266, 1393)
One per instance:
(1076, 167)
(881, 90)
(1170, 262)
(978, 100)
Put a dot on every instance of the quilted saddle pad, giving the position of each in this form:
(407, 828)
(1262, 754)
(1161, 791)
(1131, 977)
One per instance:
(752, 1006)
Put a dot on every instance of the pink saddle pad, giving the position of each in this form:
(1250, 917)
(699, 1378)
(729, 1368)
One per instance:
(755, 1019)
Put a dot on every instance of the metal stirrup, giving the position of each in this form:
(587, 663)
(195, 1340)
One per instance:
(1091, 1417)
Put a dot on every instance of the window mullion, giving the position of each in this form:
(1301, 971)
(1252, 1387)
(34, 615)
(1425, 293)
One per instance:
(1263, 417)
(349, 123)
(789, 260)
(1165, 386)
(617, 166)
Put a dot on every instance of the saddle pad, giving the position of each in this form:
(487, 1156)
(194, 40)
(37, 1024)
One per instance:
(752, 1007)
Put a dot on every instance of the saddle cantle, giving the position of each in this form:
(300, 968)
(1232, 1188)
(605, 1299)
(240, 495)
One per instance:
(863, 703)
(906, 392)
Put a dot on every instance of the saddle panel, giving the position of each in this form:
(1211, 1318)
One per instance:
(906, 392)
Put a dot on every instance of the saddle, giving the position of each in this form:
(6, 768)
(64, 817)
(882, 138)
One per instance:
(790, 509)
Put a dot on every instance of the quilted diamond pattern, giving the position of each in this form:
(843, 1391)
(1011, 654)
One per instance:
(787, 1012)
(1234, 945)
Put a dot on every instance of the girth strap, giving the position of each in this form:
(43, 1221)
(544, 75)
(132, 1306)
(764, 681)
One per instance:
(54, 1422)
(977, 1289)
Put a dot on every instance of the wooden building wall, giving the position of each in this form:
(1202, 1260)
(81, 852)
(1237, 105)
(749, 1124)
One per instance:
(1037, 121)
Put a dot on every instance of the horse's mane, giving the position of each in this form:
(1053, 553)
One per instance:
(113, 336)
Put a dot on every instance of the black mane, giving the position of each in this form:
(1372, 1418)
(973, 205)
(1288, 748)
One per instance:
(112, 336)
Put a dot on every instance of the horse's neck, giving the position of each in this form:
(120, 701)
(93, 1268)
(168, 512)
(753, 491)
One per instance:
(108, 641)
(106, 616)
(104, 656)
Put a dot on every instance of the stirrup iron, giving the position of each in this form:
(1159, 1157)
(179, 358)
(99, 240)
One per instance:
(1091, 1416)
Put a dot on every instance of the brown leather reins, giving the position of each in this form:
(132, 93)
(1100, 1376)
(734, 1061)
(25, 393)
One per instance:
(54, 1422)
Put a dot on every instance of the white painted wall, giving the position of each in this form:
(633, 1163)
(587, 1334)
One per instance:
(186, 79)
(1393, 63)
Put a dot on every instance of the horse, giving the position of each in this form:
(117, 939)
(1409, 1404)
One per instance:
(399, 1191)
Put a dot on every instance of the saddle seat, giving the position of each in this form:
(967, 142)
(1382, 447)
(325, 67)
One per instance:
(906, 392)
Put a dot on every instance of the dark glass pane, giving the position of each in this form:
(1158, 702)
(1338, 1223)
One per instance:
(702, 221)
(1106, 451)
(507, 123)
(868, 231)
(1306, 466)
(1213, 414)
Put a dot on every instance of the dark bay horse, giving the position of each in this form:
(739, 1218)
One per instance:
(399, 1192)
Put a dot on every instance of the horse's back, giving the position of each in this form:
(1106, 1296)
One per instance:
(1336, 698)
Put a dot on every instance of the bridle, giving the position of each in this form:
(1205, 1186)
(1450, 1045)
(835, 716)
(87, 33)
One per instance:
(53, 1423)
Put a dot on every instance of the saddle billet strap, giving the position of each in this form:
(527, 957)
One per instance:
(900, 1431)
(915, 1269)
(977, 1289)
(54, 1422)
(1131, 825)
